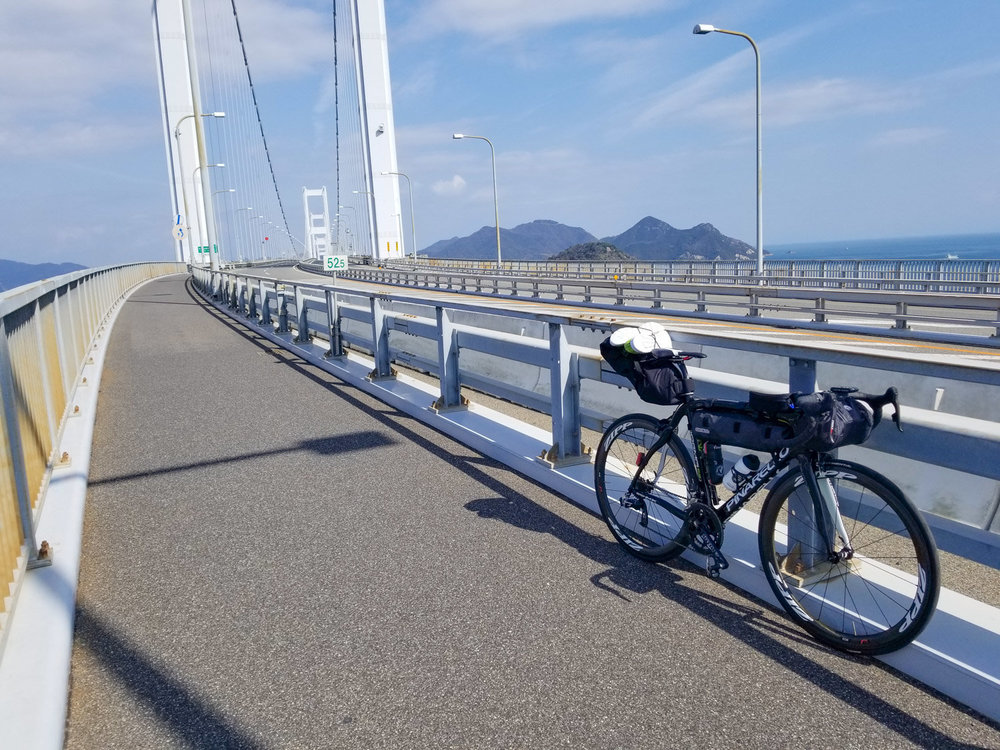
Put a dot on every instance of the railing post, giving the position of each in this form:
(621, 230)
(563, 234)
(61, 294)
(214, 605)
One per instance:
(564, 379)
(820, 315)
(333, 324)
(801, 375)
(18, 469)
(301, 317)
(450, 383)
(282, 308)
(380, 340)
(265, 316)
(900, 316)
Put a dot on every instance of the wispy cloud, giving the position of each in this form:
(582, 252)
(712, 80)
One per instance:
(906, 137)
(454, 186)
(508, 17)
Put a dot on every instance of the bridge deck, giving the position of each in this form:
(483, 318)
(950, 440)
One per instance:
(272, 558)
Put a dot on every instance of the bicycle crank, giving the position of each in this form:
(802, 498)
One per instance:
(706, 537)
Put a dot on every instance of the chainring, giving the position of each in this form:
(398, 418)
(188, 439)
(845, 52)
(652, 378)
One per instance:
(705, 529)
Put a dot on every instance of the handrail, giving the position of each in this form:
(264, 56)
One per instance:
(964, 313)
(47, 330)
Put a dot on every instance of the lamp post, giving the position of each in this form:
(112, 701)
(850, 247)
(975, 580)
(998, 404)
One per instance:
(240, 236)
(215, 220)
(180, 162)
(704, 28)
(496, 201)
(211, 256)
(413, 230)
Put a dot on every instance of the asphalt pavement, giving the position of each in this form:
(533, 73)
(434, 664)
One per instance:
(274, 559)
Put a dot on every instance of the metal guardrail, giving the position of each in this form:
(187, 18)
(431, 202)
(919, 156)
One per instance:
(438, 337)
(46, 332)
(950, 276)
(965, 312)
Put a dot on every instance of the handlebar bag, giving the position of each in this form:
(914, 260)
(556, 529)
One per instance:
(658, 378)
(838, 421)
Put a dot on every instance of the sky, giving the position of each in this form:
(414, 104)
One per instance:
(879, 119)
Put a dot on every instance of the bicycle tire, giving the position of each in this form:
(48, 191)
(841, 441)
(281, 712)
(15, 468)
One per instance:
(874, 603)
(655, 528)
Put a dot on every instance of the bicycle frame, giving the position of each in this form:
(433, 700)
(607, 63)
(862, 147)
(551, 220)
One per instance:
(825, 502)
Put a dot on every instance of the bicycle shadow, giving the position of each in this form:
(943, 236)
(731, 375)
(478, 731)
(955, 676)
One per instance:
(752, 622)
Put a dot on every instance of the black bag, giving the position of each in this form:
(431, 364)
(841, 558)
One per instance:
(820, 422)
(730, 423)
(657, 378)
(839, 420)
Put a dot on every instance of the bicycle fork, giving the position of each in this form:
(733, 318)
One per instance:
(829, 521)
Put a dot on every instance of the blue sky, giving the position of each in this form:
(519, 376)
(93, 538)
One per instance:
(880, 119)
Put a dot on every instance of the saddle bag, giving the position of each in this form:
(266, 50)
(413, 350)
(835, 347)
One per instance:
(657, 377)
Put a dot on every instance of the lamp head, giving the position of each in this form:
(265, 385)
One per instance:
(218, 114)
(457, 136)
(703, 28)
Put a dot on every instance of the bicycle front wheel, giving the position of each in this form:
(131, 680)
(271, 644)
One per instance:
(873, 593)
(648, 516)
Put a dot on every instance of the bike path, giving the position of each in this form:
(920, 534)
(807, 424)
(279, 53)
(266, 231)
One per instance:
(275, 559)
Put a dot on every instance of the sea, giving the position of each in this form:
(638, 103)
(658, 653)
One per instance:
(943, 247)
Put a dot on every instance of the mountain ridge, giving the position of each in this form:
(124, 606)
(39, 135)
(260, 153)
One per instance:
(649, 239)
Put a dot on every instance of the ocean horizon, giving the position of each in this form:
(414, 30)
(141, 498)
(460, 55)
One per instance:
(940, 247)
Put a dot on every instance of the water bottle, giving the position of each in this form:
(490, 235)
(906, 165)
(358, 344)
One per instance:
(742, 470)
(716, 465)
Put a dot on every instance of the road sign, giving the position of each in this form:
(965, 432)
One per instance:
(179, 232)
(334, 262)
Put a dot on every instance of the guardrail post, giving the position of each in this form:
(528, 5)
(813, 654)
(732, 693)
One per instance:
(16, 448)
(300, 315)
(820, 315)
(447, 345)
(333, 324)
(900, 316)
(263, 303)
(754, 305)
(702, 302)
(801, 375)
(564, 388)
(380, 341)
(282, 308)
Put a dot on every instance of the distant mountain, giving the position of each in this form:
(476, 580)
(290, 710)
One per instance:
(536, 240)
(14, 273)
(592, 251)
(652, 239)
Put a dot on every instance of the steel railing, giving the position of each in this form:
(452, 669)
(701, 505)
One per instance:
(443, 338)
(47, 330)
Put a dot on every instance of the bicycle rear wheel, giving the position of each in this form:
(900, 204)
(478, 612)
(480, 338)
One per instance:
(882, 596)
(649, 521)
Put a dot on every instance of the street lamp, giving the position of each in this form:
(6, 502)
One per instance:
(413, 230)
(705, 28)
(211, 256)
(215, 220)
(496, 201)
(180, 162)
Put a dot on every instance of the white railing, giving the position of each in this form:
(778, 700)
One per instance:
(46, 333)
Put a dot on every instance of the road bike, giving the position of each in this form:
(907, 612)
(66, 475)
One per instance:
(847, 555)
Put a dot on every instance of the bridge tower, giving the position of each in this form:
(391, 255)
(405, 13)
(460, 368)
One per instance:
(190, 182)
(378, 130)
(317, 211)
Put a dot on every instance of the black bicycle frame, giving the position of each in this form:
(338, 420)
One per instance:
(742, 496)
